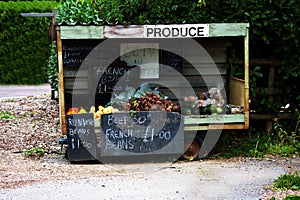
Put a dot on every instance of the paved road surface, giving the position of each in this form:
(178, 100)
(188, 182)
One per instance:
(22, 90)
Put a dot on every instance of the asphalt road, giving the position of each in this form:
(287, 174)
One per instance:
(24, 90)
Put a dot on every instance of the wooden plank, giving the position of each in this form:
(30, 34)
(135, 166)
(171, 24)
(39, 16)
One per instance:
(121, 31)
(256, 116)
(227, 29)
(137, 31)
(215, 127)
(214, 119)
(258, 61)
(195, 128)
(81, 32)
(267, 91)
(37, 14)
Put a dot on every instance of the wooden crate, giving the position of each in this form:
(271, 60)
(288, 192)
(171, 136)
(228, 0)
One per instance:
(236, 91)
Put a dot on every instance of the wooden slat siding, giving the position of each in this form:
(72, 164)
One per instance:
(81, 32)
(217, 54)
(205, 69)
(214, 42)
(121, 31)
(218, 57)
(82, 91)
(215, 49)
(209, 81)
(80, 83)
(73, 73)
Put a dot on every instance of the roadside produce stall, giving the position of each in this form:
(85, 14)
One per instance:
(117, 83)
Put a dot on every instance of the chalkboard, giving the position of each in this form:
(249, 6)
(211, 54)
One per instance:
(170, 57)
(143, 133)
(81, 137)
(75, 51)
(114, 77)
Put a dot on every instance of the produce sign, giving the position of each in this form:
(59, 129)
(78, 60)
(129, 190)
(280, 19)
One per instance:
(141, 133)
(176, 31)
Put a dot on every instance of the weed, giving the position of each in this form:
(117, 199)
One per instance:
(289, 197)
(284, 141)
(292, 197)
(288, 181)
(6, 115)
(34, 152)
(9, 100)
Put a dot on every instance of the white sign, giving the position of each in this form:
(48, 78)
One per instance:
(144, 55)
(176, 31)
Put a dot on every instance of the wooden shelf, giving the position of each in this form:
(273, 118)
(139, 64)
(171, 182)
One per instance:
(206, 122)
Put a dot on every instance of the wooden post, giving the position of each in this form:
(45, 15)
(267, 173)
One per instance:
(269, 124)
(61, 87)
(246, 77)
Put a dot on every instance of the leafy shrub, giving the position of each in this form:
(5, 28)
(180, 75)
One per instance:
(52, 68)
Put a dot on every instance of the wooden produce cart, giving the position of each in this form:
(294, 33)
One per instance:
(95, 66)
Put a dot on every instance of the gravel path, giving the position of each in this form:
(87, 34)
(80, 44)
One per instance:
(30, 122)
(24, 90)
(55, 178)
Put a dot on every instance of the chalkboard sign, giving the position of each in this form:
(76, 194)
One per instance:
(75, 51)
(143, 133)
(81, 137)
(114, 77)
(170, 57)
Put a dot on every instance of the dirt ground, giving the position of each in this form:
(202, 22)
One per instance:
(33, 122)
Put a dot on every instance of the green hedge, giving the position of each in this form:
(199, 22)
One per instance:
(24, 42)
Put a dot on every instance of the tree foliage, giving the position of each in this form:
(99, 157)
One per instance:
(274, 31)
